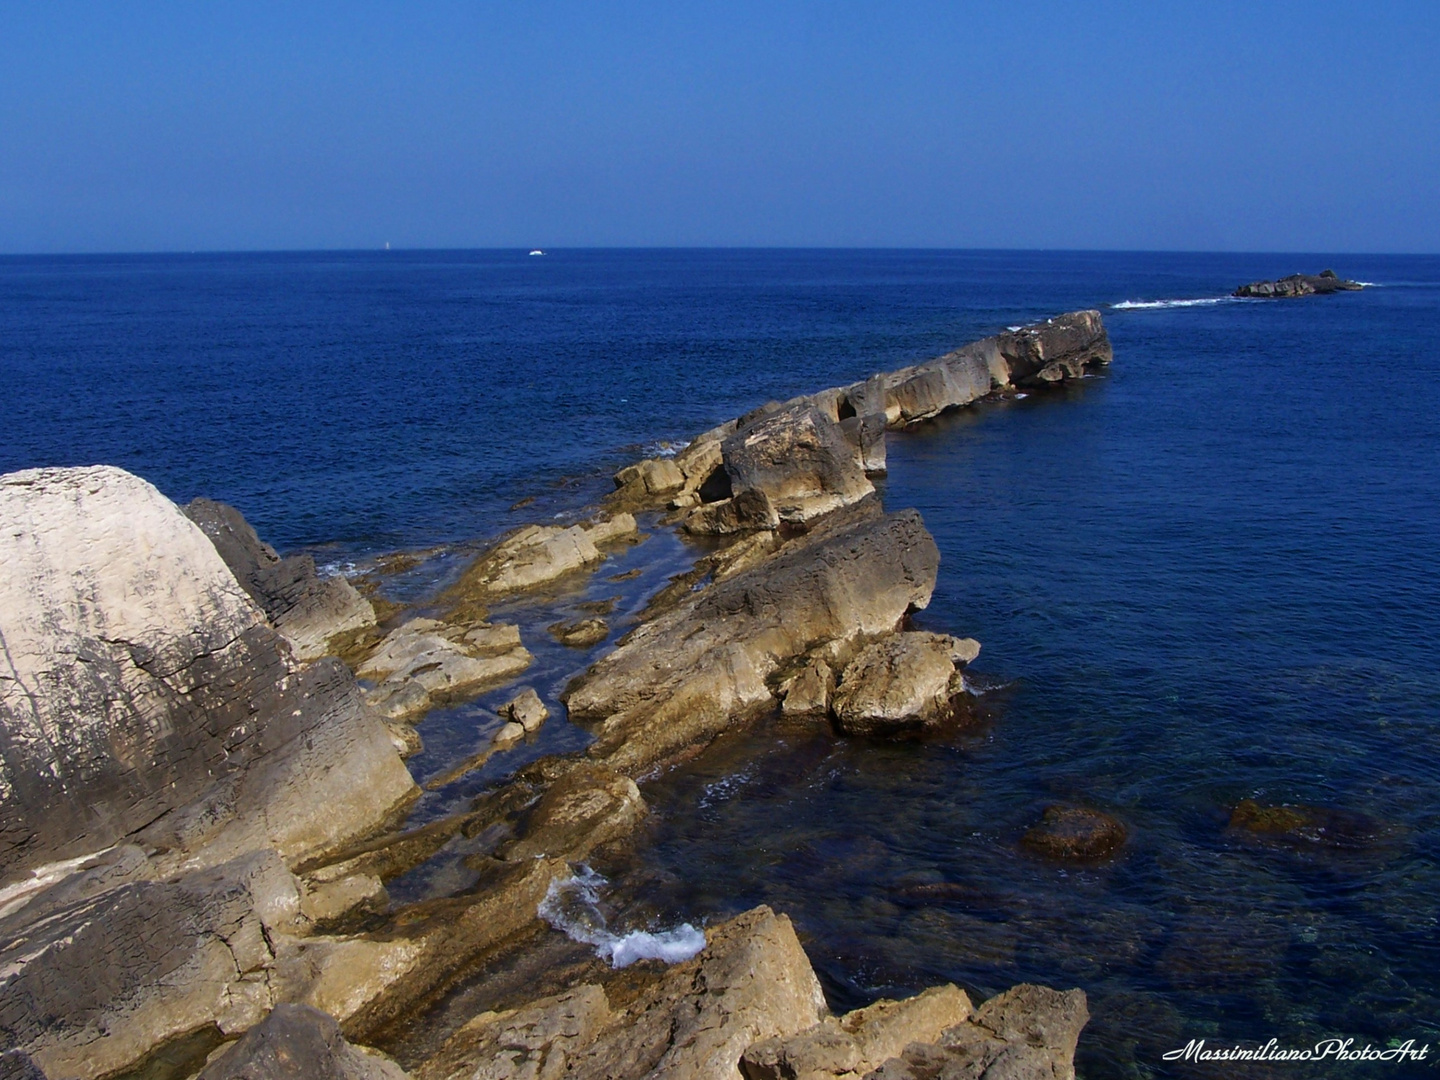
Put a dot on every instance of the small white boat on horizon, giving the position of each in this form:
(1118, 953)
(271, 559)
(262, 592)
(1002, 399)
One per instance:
(537, 251)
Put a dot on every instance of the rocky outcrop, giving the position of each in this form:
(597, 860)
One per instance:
(309, 610)
(787, 467)
(143, 689)
(683, 677)
(93, 978)
(296, 1042)
(1027, 1033)
(848, 1047)
(535, 556)
(425, 661)
(1075, 832)
(902, 681)
(1319, 284)
(790, 462)
(580, 633)
(751, 982)
(525, 709)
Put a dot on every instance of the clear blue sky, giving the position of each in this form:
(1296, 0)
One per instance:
(178, 126)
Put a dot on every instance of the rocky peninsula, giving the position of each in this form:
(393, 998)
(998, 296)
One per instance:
(203, 788)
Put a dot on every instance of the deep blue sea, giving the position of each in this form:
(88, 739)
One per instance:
(1208, 575)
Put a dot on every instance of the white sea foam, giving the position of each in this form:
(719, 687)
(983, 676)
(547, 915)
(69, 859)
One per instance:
(1147, 305)
(572, 905)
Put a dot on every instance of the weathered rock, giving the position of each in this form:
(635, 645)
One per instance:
(683, 677)
(651, 478)
(525, 709)
(901, 681)
(746, 512)
(800, 460)
(852, 1045)
(530, 557)
(509, 734)
(296, 1042)
(425, 661)
(1027, 1033)
(580, 633)
(751, 982)
(808, 692)
(918, 393)
(536, 1041)
(90, 986)
(1060, 348)
(143, 689)
(866, 436)
(1072, 832)
(1299, 285)
(586, 807)
(607, 530)
(308, 609)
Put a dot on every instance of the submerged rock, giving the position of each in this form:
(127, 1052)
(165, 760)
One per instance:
(1299, 285)
(145, 690)
(308, 609)
(1310, 826)
(1072, 832)
(296, 1042)
(580, 633)
(901, 681)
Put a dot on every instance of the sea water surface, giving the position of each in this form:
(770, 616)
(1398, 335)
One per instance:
(1206, 575)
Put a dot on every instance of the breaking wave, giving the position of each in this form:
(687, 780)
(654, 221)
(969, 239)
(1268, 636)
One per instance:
(1146, 305)
(572, 905)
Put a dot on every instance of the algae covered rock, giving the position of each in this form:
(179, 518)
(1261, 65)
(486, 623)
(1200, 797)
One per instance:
(1072, 832)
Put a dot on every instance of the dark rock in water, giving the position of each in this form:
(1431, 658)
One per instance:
(308, 609)
(1299, 285)
(1070, 832)
(580, 634)
(296, 1042)
(1317, 826)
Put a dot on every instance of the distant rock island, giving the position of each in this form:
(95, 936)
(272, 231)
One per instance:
(1299, 285)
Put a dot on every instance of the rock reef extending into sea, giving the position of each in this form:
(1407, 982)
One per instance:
(1320, 284)
(200, 804)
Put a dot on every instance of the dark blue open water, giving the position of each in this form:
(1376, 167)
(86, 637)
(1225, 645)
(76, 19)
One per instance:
(1208, 575)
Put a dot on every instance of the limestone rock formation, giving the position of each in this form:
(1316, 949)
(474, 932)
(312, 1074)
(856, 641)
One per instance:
(751, 982)
(580, 633)
(534, 1041)
(851, 1045)
(425, 661)
(308, 609)
(905, 680)
(538, 555)
(143, 689)
(681, 678)
(296, 1042)
(799, 460)
(1299, 285)
(91, 981)
(525, 709)
(1027, 1033)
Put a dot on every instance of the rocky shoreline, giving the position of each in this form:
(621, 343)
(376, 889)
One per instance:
(200, 805)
